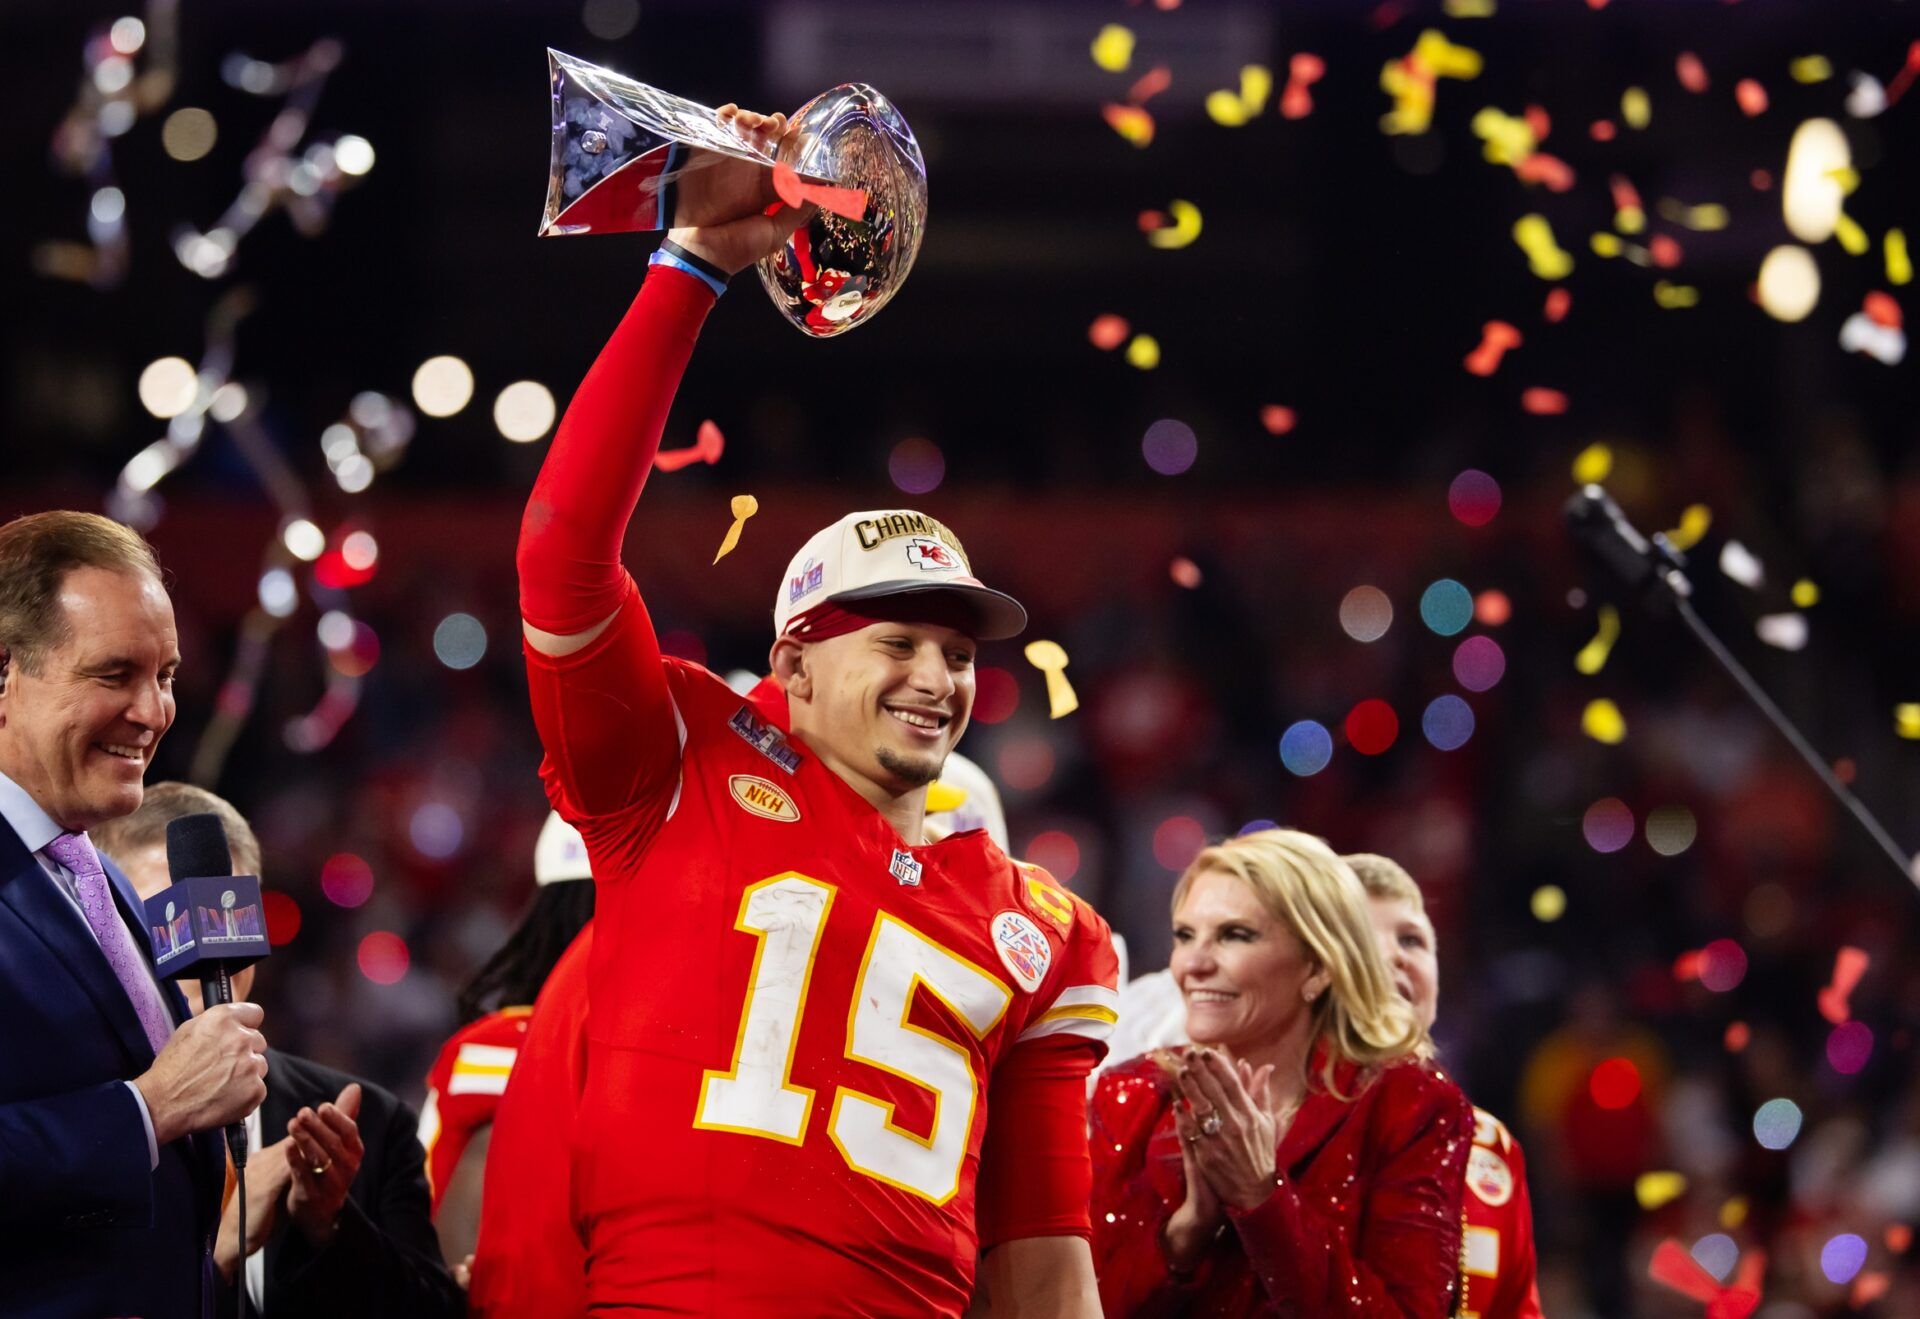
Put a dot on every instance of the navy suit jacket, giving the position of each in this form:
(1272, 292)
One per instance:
(87, 1226)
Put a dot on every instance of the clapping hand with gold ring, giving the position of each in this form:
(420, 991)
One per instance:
(326, 1157)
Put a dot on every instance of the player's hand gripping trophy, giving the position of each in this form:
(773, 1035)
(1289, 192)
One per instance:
(829, 205)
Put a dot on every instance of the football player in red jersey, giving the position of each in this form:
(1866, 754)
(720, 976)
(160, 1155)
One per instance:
(827, 1061)
(1497, 1255)
(470, 1074)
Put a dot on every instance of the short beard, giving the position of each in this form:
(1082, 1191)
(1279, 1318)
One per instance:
(912, 770)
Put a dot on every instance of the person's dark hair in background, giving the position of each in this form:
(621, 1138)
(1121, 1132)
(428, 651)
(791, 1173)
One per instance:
(337, 1206)
(514, 974)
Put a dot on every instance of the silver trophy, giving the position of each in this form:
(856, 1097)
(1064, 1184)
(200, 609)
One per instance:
(622, 148)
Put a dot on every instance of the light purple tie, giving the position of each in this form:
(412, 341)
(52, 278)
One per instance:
(75, 852)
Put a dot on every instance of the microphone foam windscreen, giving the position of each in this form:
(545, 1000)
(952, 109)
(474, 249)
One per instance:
(197, 847)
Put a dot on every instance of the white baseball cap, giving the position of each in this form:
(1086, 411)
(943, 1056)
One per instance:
(561, 854)
(890, 552)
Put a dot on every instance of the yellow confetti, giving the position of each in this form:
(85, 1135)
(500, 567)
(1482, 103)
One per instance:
(1113, 48)
(1509, 138)
(1629, 220)
(1549, 903)
(1593, 656)
(1143, 352)
(1695, 519)
(1444, 59)
(1607, 245)
(1411, 81)
(1184, 229)
(1733, 1213)
(1654, 1189)
(1593, 463)
(1708, 218)
(1852, 237)
(1811, 68)
(1673, 296)
(1805, 594)
(1050, 659)
(1535, 237)
(1232, 109)
(1906, 720)
(1635, 108)
(744, 507)
(1223, 107)
(1469, 8)
(1603, 722)
(1899, 265)
(1847, 177)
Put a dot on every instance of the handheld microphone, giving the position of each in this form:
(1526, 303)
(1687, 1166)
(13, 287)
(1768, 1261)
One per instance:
(209, 923)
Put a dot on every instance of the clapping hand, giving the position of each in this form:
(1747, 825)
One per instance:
(1228, 1129)
(325, 1158)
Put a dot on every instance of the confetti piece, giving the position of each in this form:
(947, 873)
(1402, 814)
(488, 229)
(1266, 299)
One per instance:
(1635, 109)
(1539, 121)
(1898, 1237)
(1108, 332)
(1761, 180)
(1663, 251)
(1811, 69)
(1412, 81)
(1113, 48)
(1593, 656)
(1492, 608)
(1231, 109)
(1130, 122)
(1050, 659)
(1602, 130)
(1509, 138)
(1548, 904)
(1904, 79)
(1654, 1189)
(1607, 245)
(1303, 70)
(1559, 301)
(1446, 60)
(1675, 296)
(1868, 98)
(1906, 720)
(1593, 464)
(1737, 1037)
(1695, 519)
(1881, 309)
(744, 507)
(1603, 722)
(847, 203)
(1150, 84)
(1629, 216)
(1852, 237)
(1706, 218)
(1751, 97)
(1862, 334)
(1739, 563)
(1277, 418)
(1782, 631)
(1805, 594)
(1543, 402)
(1468, 8)
(1868, 1288)
(1674, 1267)
(1185, 572)
(1143, 352)
(1899, 264)
(1185, 226)
(1496, 338)
(1544, 256)
(1691, 72)
(1849, 965)
(1555, 173)
(707, 447)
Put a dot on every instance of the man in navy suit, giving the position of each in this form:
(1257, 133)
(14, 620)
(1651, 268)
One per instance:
(111, 1095)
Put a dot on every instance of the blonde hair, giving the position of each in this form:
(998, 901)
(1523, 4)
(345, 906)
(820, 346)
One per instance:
(1299, 880)
(1383, 877)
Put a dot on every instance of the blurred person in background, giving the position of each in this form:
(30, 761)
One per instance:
(113, 1094)
(718, 836)
(337, 1218)
(470, 1074)
(1304, 1156)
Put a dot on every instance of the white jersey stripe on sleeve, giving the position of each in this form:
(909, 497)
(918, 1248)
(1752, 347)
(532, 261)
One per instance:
(1090, 1010)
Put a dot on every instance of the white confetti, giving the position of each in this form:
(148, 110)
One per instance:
(1886, 344)
(1784, 631)
(1868, 98)
(1739, 563)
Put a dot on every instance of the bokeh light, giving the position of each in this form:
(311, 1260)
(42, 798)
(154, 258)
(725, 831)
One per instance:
(460, 642)
(436, 830)
(1446, 607)
(1549, 903)
(335, 629)
(524, 411)
(1615, 1083)
(279, 595)
(1170, 446)
(1843, 1257)
(996, 694)
(1026, 762)
(1607, 825)
(442, 386)
(283, 917)
(346, 880)
(127, 35)
(1479, 663)
(353, 154)
(1447, 722)
(1717, 1253)
(1789, 284)
(1371, 727)
(1723, 965)
(1305, 748)
(1849, 1046)
(1177, 841)
(168, 387)
(360, 551)
(1474, 497)
(1255, 826)
(610, 20)
(303, 539)
(1671, 830)
(383, 957)
(1776, 1123)
(916, 465)
(1492, 608)
(1056, 852)
(188, 133)
(1366, 613)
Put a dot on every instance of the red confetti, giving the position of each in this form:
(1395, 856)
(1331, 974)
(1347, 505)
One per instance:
(1151, 220)
(848, 203)
(1687, 965)
(1385, 15)
(1664, 251)
(1543, 402)
(1538, 122)
(1303, 70)
(1602, 130)
(1108, 332)
(1558, 303)
(1868, 1288)
(1130, 122)
(1626, 197)
(1881, 309)
(1542, 168)
(1372, 727)
(1761, 180)
(1849, 964)
(1495, 338)
(1738, 1035)
(1185, 572)
(1277, 418)
(1149, 85)
(1691, 72)
(1492, 608)
(707, 446)
(1898, 87)
(1615, 1083)
(1673, 1266)
(1751, 96)
(1898, 1237)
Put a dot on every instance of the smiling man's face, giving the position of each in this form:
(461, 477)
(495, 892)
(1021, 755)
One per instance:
(79, 731)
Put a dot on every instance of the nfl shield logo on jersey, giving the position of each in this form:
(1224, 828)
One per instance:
(904, 868)
(1023, 950)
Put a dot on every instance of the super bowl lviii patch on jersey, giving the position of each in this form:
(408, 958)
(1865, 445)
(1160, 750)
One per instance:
(762, 798)
(1023, 950)
(765, 738)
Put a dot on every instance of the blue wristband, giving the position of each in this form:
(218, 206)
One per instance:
(707, 277)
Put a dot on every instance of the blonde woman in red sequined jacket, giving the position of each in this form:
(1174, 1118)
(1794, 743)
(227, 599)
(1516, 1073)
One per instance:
(1304, 1157)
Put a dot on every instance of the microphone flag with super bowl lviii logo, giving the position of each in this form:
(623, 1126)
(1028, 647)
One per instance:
(215, 918)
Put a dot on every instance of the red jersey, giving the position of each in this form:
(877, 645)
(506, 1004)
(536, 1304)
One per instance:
(464, 1087)
(1497, 1257)
(529, 1263)
(794, 1018)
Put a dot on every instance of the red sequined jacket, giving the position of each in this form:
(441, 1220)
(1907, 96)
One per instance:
(1364, 1220)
